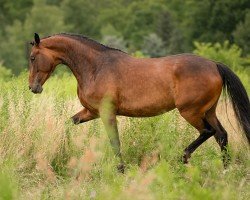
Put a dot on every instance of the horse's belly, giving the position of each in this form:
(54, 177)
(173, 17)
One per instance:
(145, 106)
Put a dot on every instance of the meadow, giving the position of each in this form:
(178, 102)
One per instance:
(44, 156)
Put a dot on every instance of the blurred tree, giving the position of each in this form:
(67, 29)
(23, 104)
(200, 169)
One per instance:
(153, 46)
(214, 21)
(17, 36)
(171, 35)
(112, 38)
(115, 42)
(230, 55)
(54, 2)
(13, 44)
(177, 43)
(51, 22)
(83, 16)
(109, 29)
(124, 23)
(242, 34)
(142, 20)
(165, 27)
(13, 10)
(132, 19)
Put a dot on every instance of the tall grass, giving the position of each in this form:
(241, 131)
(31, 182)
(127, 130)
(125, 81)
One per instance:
(44, 156)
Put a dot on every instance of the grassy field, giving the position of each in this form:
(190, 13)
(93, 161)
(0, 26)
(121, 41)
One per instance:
(44, 156)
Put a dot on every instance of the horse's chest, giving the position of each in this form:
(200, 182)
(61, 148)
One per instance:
(88, 100)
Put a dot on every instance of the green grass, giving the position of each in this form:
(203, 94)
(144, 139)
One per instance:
(44, 156)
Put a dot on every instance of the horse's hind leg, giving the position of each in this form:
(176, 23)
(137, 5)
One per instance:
(220, 136)
(198, 121)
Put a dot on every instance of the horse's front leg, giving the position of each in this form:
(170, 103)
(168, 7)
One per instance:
(110, 124)
(83, 116)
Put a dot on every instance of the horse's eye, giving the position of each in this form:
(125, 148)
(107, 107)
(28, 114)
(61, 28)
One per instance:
(32, 58)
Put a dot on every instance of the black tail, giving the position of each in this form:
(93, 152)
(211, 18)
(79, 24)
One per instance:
(238, 96)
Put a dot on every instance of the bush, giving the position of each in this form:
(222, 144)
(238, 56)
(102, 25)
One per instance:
(138, 54)
(228, 54)
(153, 46)
(241, 34)
(225, 53)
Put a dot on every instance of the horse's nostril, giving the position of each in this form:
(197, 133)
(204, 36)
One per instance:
(29, 87)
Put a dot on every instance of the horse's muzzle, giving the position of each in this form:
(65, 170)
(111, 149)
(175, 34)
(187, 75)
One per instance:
(36, 89)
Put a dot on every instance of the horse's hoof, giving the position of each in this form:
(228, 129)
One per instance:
(121, 168)
(226, 161)
(184, 160)
(185, 157)
(75, 120)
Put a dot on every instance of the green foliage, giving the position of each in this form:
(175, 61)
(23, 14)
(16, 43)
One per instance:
(16, 42)
(171, 33)
(15, 47)
(242, 33)
(123, 24)
(138, 54)
(51, 22)
(82, 15)
(13, 10)
(142, 18)
(225, 53)
(215, 21)
(153, 46)
(110, 30)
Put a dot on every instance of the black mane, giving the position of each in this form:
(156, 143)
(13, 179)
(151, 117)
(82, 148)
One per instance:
(83, 38)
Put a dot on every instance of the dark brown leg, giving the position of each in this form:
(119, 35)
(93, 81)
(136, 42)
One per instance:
(204, 135)
(220, 134)
(195, 118)
(83, 116)
(221, 138)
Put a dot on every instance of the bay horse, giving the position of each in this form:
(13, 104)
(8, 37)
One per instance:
(141, 87)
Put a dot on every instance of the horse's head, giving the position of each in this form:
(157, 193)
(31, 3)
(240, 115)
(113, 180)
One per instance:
(42, 63)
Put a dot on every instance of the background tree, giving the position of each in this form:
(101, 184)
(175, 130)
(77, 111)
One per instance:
(214, 21)
(82, 15)
(153, 46)
(242, 34)
(13, 10)
(125, 24)
(20, 33)
(115, 42)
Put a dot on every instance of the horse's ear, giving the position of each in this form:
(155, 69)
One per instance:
(37, 39)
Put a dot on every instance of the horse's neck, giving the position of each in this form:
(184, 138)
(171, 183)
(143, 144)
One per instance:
(81, 60)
